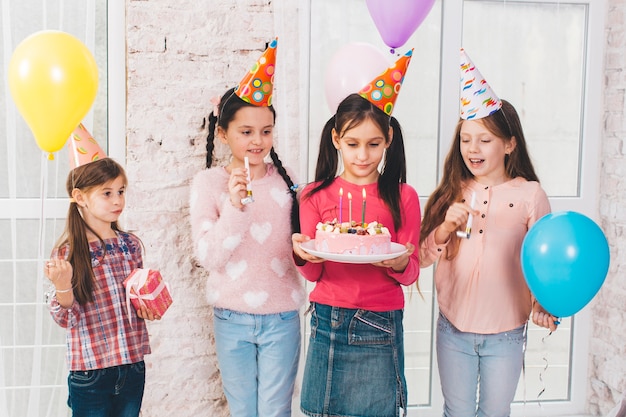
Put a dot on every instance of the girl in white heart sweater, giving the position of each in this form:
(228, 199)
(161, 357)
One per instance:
(243, 240)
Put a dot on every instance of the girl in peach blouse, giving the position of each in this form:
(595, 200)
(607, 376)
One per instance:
(483, 299)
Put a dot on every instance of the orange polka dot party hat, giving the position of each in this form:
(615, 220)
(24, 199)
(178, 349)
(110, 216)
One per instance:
(256, 87)
(383, 90)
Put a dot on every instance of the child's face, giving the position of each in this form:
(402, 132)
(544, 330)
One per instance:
(250, 133)
(362, 148)
(102, 205)
(483, 152)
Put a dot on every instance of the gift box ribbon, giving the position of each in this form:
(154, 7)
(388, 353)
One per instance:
(134, 284)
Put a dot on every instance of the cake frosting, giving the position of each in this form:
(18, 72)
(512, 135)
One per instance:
(352, 238)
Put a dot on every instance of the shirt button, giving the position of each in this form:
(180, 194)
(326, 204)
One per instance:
(438, 249)
(482, 215)
(480, 231)
(485, 202)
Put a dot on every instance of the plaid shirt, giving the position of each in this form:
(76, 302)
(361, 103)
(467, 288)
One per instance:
(99, 333)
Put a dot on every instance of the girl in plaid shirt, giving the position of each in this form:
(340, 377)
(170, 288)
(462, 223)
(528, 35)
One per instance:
(87, 268)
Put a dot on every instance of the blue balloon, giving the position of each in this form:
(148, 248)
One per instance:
(565, 259)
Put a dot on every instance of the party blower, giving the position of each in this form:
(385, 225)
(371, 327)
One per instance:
(468, 228)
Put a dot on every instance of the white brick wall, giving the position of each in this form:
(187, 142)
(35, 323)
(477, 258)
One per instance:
(180, 54)
(607, 361)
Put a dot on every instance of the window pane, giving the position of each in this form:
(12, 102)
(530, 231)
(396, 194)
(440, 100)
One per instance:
(418, 333)
(32, 347)
(86, 20)
(519, 64)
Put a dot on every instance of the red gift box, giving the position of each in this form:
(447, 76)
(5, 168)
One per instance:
(146, 287)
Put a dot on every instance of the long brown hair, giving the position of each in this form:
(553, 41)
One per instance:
(505, 124)
(85, 178)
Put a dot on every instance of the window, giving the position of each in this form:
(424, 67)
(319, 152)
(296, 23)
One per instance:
(545, 58)
(32, 347)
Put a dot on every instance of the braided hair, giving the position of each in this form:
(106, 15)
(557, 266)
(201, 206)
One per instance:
(228, 106)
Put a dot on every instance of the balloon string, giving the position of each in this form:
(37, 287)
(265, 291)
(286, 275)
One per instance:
(545, 368)
(524, 344)
(35, 390)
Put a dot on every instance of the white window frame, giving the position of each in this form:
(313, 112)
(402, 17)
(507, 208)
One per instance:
(56, 208)
(116, 68)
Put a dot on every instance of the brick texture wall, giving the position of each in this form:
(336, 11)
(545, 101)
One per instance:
(181, 53)
(607, 361)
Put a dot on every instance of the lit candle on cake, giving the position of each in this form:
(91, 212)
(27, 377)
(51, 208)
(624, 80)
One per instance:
(350, 208)
(363, 210)
(340, 203)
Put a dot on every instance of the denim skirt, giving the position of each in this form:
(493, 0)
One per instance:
(354, 363)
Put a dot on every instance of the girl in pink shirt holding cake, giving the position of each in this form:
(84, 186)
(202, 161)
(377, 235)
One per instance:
(473, 227)
(242, 217)
(355, 357)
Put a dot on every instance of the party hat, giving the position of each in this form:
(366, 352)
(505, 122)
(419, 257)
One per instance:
(477, 99)
(383, 90)
(83, 148)
(257, 86)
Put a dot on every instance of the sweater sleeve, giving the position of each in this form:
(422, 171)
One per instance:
(430, 251)
(309, 217)
(540, 205)
(217, 227)
(409, 232)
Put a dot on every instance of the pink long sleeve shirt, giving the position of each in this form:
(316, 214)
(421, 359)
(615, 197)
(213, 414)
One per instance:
(482, 289)
(360, 286)
(247, 252)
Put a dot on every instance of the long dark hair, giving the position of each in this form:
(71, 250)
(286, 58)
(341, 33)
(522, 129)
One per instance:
(229, 105)
(85, 178)
(351, 112)
(505, 124)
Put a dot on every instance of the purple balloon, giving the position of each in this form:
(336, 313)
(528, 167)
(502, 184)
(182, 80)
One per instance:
(397, 20)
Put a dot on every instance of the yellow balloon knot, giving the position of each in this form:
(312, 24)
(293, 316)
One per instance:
(51, 157)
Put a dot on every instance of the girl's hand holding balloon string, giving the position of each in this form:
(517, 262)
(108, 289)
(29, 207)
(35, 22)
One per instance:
(542, 318)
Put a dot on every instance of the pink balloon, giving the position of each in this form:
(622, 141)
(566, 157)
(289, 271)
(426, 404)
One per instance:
(397, 20)
(350, 69)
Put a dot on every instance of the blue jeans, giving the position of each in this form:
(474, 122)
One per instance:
(354, 364)
(490, 362)
(258, 359)
(108, 392)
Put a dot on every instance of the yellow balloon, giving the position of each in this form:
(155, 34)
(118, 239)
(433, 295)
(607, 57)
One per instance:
(53, 79)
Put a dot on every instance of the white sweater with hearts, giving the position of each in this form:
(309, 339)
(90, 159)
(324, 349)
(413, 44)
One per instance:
(247, 252)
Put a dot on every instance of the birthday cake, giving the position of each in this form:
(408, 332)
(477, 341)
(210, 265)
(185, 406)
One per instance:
(352, 238)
